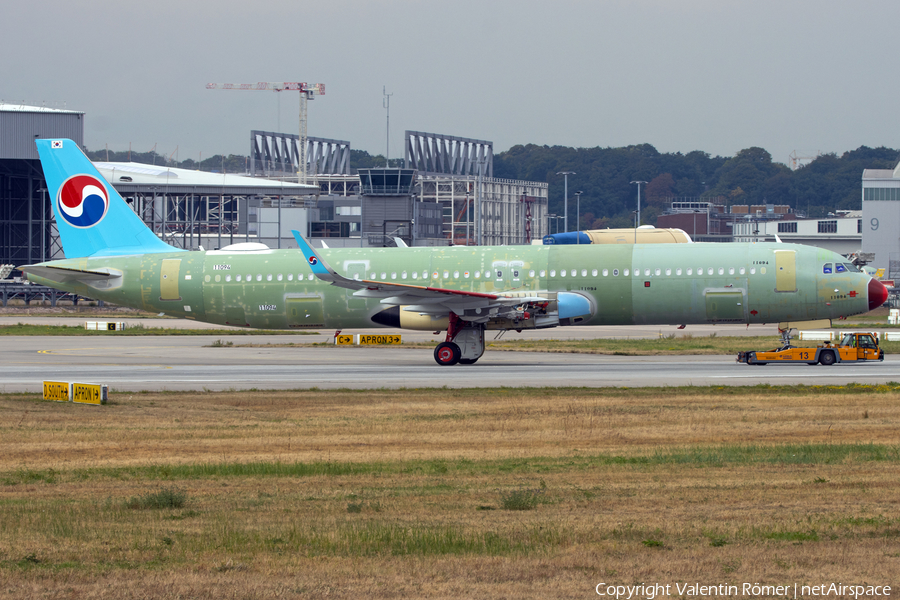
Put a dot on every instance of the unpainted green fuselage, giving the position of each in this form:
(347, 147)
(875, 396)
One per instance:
(627, 284)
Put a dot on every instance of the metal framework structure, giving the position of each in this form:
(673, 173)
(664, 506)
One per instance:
(27, 231)
(276, 155)
(434, 153)
(505, 217)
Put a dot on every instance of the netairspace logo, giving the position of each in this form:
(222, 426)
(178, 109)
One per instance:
(754, 590)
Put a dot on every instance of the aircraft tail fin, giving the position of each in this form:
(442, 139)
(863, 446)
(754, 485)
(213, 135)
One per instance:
(91, 216)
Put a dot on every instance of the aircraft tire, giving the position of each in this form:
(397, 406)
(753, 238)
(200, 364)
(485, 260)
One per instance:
(468, 361)
(447, 354)
(827, 359)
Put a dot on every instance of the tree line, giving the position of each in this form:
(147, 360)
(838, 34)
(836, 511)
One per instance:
(604, 176)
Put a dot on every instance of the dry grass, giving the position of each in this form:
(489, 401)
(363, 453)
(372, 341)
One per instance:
(401, 493)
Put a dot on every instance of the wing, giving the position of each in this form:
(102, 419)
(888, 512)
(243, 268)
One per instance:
(470, 306)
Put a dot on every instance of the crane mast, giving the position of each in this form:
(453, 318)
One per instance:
(307, 92)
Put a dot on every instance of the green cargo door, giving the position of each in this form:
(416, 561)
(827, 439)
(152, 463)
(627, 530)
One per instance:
(785, 271)
(168, 279)
(306, 311)
(725, 306)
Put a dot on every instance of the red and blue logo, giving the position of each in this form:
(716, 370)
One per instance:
(313, 260)
(82, 201)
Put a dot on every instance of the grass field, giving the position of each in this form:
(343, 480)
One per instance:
(498, 493)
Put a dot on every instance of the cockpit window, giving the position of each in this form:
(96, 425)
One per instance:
(851, 267)
(840, 268)
(828, 268)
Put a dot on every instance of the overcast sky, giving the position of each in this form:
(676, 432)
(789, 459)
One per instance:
(682, 75)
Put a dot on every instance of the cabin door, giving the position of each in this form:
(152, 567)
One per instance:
(168, 279)
(785, 271)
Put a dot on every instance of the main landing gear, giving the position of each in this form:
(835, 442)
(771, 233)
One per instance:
(464, 343)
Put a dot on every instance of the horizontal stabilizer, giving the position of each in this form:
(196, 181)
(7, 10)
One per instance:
(69, 275)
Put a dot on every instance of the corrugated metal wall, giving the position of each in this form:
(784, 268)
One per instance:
(19, 129)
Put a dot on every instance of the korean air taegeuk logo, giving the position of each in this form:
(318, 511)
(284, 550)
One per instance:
(82, 201)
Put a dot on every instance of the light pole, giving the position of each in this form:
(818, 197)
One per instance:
(639, 202)
(577, 217)
(566, 174)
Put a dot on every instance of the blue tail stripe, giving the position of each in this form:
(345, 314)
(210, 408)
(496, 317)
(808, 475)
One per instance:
(86, 226)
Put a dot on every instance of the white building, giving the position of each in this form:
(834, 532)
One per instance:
(841, 234)
(881, 218)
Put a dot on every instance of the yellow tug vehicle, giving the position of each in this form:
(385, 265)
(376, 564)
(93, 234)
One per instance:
(853, 347)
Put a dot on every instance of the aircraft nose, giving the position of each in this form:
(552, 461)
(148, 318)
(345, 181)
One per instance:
(878, 294)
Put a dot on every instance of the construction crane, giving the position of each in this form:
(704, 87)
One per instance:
(307, 92)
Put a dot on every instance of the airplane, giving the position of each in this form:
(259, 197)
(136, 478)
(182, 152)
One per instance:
(111, 255)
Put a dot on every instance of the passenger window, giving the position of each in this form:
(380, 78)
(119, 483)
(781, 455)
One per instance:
(721, 271)
(615, 272)
(238, 277)
(690, 272)
(477, 274)
(530, 273)
(384, 275)
(228, 278)
(552, 273)
(466, 274)
(606, 272)
(515, 274)
(828, 268)
(584, 273)
(709, 271)
(678, 271)
(394, 275)
(280, 277)
(372, 276)
(658, 272)
(415, 275)
(543, 273)
(625, 273)
(731, 270)
(446, 274)
(424, 274)
(594, 273)
(753, 270)
(646, 272)
(403, 275)
(499, 274)
(269, 277)
(743, 270)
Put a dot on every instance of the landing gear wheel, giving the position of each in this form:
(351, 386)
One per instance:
(447, 354)
(827, 359)
(468, 361)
